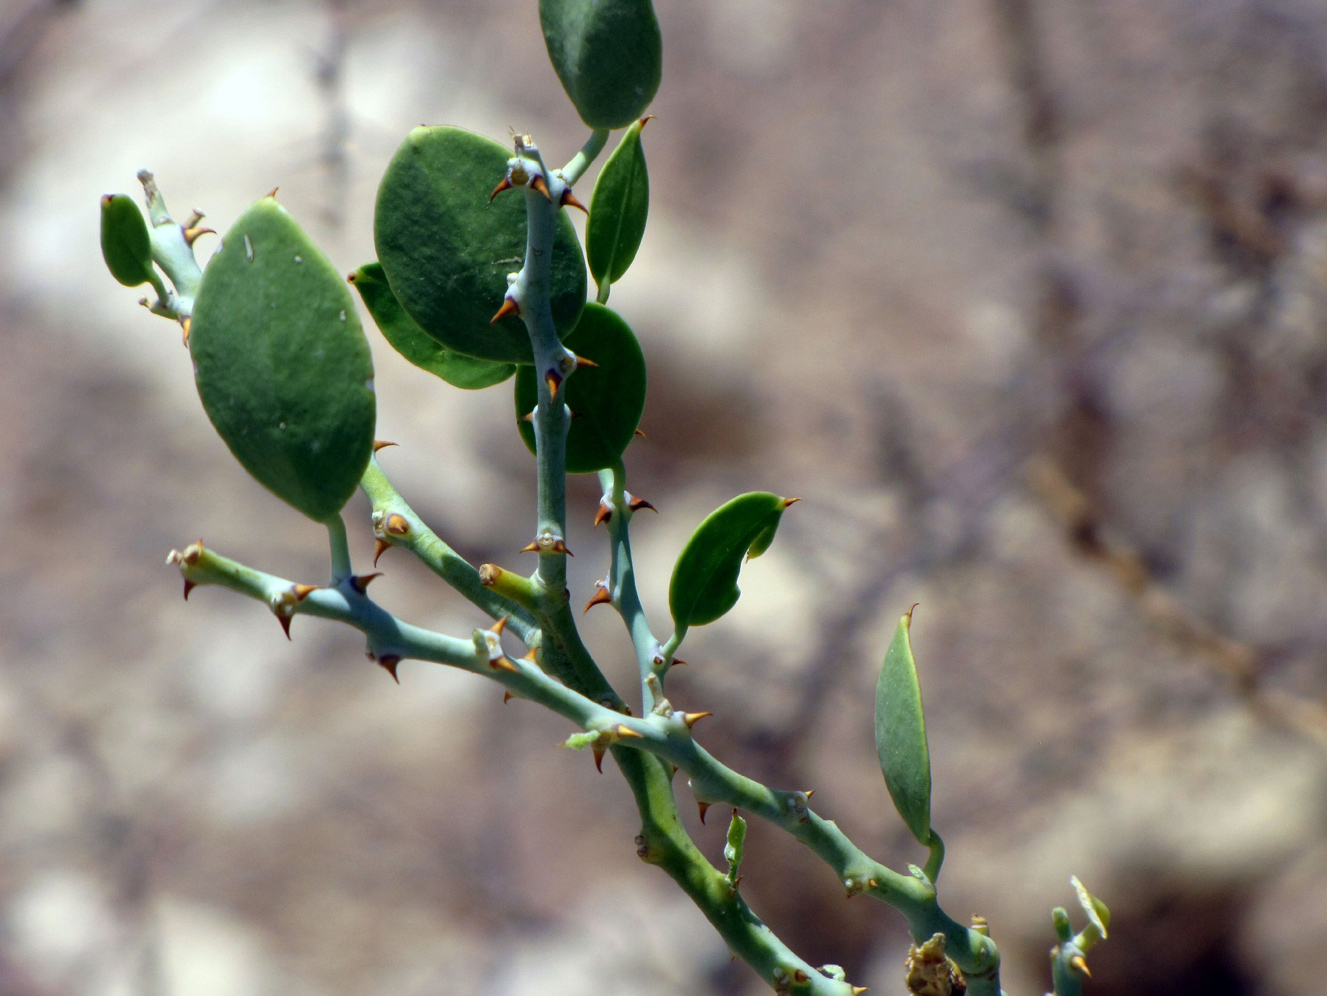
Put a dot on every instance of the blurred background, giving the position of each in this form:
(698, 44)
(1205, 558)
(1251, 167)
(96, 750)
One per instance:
(1027, 300)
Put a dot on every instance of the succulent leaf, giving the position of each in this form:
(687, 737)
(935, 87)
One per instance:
(618, 210)
(446, 250)
(125, 243)
(608, 398)
(281, 363)
(900, 735)
(608, 55)
(704, 582)
(417, 346)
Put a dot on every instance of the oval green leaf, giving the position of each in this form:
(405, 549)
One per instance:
(447, 250)
(282, 364)
(618, 210)
(125, 244)
(412, 342)
(607, 399)
(704, 582)
(608, 55)
(900, 735)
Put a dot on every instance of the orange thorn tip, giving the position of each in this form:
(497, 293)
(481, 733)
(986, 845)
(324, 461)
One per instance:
(908, 615)
(601, 597)
(581, 361)
(598, 752)
(530, 548)
(569, 200)
(532, 655)
(677, 661)
(509, 307)
(627, 733)
(641, 433)
(648, 117)
(285, 625)
(1080, 963)
(603, 513)
(388, 663)
(808, 792)
(507, 697)
(498, 626)
(800, 976)
(191, 235)
(704, 808)
(361, 582)
(527, 417)
(272, 194)
(788, 501)
(541, 185)
(302, 591)
(553, 379)
(692, 718)
(397, 524)
(504, 185)
(188, 587)
(378, 547)
(381, 444)
(636, 504)
(186, 323)
(560, 546)
(858, 990)
(504, 663)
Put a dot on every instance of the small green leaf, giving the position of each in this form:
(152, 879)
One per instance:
(618, 210)
(608, 55)
(900, 735)
(447, 250)
(704, 582)
(732, 851)
(1098, 917)
(412, 342)
(125, 243)
(282, 364)
(607, 399)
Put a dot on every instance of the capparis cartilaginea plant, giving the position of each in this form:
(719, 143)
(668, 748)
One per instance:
(284, 373)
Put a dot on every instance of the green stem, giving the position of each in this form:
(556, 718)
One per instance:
(622, 586)
(574, 170)
(336, 534)
(664, 735)
(936, 858)
(436, 555)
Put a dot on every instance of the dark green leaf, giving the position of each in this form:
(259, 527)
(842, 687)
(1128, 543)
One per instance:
(618, 210)
(282, 364)
(607, 399)
(900, 735)
(608, 55)
(421, 349)
(447, 251)
(125, 244)
(704, 583)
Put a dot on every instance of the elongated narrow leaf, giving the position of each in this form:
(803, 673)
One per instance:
(900, 735)
(618, 210)
(608, 55)
(281, 362)
(125, 244)
(447, 250)
(704, 583)
(607, 399)
(417, 346)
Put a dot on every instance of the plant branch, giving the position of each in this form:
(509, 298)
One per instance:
(396, 524)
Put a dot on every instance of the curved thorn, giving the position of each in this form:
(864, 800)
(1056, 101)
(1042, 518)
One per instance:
(504, 185)
(302, 591)
(569, 200)
(381, 444)
(601, 597)
(541, 185)
(692, 718)
(361, 582)
(636, 504)
(627, 733)
(603, 513)
(285, 625)
(509, 307)
(188, 587)
(501, 624)
(503, 663)
(379, 546)
(397, 524)
(581, 361)
(388, 663)
(1080, 963)
(507, 697)
(704, 808)
(530, 548)
(598, 752)
(191, 234)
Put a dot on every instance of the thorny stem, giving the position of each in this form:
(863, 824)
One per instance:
(621, 583)
(411, 533)
(664, 735)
